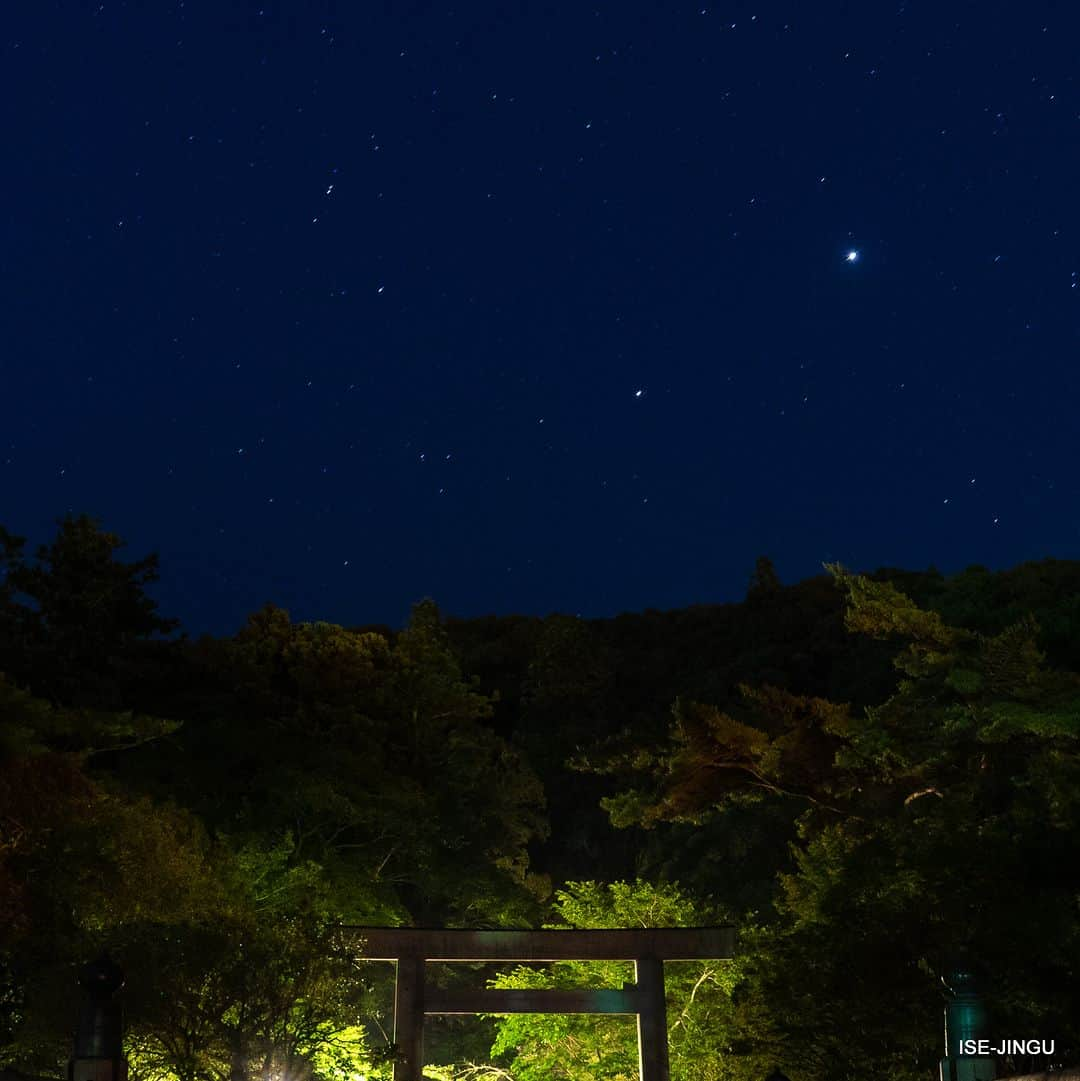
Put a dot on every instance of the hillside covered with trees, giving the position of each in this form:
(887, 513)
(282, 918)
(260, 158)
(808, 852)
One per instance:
(874, 777)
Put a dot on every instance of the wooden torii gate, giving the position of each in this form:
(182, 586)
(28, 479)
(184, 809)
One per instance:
(411, 948)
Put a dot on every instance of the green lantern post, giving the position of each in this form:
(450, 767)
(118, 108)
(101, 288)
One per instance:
(965, 1019)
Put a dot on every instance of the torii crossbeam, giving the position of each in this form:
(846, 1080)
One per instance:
(411, 948)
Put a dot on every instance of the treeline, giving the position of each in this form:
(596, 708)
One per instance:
(875, 778)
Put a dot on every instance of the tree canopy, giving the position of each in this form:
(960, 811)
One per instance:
(875, 777)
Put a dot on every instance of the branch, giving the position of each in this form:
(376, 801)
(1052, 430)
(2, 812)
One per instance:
(923, 792)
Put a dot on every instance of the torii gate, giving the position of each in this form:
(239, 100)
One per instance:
(411, 948)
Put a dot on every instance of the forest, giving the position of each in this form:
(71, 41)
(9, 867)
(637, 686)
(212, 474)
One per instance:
(874, 777)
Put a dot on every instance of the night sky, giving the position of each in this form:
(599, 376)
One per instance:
(536, 308)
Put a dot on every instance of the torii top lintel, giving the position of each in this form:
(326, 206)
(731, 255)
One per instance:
(602, 944)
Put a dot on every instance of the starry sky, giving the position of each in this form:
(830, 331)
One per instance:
(531, 308)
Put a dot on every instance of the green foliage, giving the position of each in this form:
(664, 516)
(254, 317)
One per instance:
(80, 868)
(713, 757)
(278, 997)
(880, 610)
(32, 725)
(572, 1047)
(230, 954)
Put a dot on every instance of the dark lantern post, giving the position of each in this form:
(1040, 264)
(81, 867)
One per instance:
(98, 1050)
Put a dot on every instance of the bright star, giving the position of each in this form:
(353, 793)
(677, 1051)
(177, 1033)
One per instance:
(852, 256)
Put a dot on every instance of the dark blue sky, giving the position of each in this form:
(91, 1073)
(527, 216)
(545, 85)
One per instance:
(539, 307)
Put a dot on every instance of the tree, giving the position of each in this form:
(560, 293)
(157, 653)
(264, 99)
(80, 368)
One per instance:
(764, 581)
(916, 820)
(375, 757)
(234, 966)
(268, 989)
(75, 620)
(565, 709)
(80, 863)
